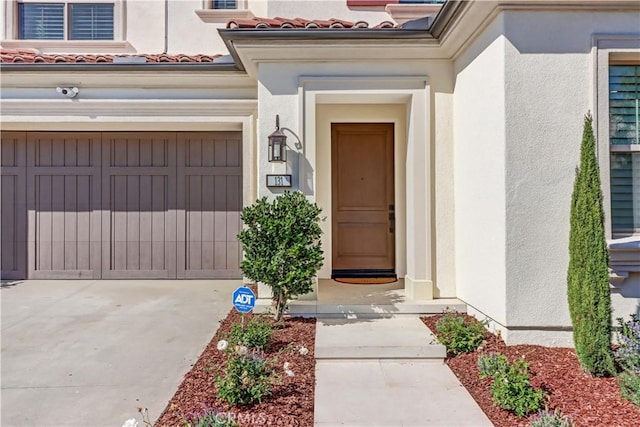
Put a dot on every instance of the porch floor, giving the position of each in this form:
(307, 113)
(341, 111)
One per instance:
(335, 299)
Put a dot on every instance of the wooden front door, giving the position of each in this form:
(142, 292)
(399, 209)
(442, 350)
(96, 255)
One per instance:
(363, 228)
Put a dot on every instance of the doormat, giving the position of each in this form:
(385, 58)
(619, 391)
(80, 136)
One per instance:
(365, 280)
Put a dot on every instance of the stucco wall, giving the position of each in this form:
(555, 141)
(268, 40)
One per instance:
(521, 93)
(143, 24)
(479, 174)
(549, 87)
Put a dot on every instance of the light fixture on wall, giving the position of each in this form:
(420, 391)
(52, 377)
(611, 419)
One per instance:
(277, 144)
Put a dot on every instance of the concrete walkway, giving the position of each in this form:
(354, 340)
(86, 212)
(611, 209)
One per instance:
(87, 353)
(387, 372)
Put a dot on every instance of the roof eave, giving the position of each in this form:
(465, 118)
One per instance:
(109, 66)
(229, 36)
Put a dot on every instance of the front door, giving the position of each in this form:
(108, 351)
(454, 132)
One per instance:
(363, 228)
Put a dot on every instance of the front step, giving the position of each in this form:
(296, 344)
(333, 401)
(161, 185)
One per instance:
(399, 337)
(365, 310)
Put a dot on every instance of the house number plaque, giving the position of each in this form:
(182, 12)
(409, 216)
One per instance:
(279, 181)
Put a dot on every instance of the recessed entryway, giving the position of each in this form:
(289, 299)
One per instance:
(363, 206)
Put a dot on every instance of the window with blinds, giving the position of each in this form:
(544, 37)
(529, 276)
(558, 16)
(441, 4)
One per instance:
(70, 20)
(225, 4)
(41, 21)
(624, 137)
(91, 21)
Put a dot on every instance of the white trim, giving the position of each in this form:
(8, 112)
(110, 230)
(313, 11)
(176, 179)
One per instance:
(78, 46)
(626, 148)
(223, 15)
(244, 85)
(604, 46)
(414, 93)
(83, 110)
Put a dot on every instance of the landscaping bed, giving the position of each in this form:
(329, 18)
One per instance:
(291, 400)
(588, 401)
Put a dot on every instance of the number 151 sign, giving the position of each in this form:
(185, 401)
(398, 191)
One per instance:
(279, 181)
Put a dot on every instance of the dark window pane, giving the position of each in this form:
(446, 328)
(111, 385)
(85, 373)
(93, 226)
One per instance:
(624, 104)
(90, 21)
(625, 190)
(225, 4)
(41, 21)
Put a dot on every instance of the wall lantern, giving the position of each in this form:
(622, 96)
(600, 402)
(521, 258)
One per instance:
(277, 144)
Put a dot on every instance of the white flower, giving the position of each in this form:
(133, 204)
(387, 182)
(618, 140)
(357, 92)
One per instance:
(130, 423)
(242, 350)
(286, 366)
(289, 372)
(303, 351)
(222, 345)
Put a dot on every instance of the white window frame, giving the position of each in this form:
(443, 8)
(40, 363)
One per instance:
(240, 5)
(209, 14)
(611, 49)
(12, 28)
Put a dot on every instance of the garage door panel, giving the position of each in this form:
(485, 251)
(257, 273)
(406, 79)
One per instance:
(13, 234)
(139, 224)
(8, 223)
(209, 171)
(64, 198)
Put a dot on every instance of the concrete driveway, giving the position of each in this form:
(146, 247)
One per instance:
(88, 353)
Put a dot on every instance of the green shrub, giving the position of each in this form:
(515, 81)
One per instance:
(588, 274)
(256, 334)
(492, 364)
(247, 379)
(628, 354)
(210, 418)
(459, 334)
(630, 387)
(548, 418)
(511, 390)
(281, 242)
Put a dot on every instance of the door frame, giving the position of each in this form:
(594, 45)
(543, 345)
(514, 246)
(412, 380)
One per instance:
(324, 115)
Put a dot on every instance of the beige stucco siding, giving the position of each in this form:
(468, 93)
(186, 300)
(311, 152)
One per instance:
(479, 174)
(549, 87)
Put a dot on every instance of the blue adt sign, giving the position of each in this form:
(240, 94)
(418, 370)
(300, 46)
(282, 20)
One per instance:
(244, 299)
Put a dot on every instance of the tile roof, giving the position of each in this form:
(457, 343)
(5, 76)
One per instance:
(33, 56)
(300, 23)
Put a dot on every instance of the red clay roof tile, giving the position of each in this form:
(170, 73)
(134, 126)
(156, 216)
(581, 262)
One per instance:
(290, 23)
(32, 56)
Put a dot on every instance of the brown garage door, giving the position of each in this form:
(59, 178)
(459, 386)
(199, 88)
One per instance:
(13, 208)
(121, 204)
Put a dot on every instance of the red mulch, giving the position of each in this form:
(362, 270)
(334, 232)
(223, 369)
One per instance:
(291, 402)
(588, 401)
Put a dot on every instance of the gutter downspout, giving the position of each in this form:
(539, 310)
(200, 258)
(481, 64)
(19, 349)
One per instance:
(166, 26)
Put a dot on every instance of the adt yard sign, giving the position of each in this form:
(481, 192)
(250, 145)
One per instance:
(244, 299)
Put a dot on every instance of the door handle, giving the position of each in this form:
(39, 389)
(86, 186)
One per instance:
(392, 222)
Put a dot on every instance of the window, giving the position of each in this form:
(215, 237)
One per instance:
(374, 3)
(225, 4)
(66, 21)
(624, 138)
(220, 11)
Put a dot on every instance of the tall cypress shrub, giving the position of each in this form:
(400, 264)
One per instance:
(588, 274)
